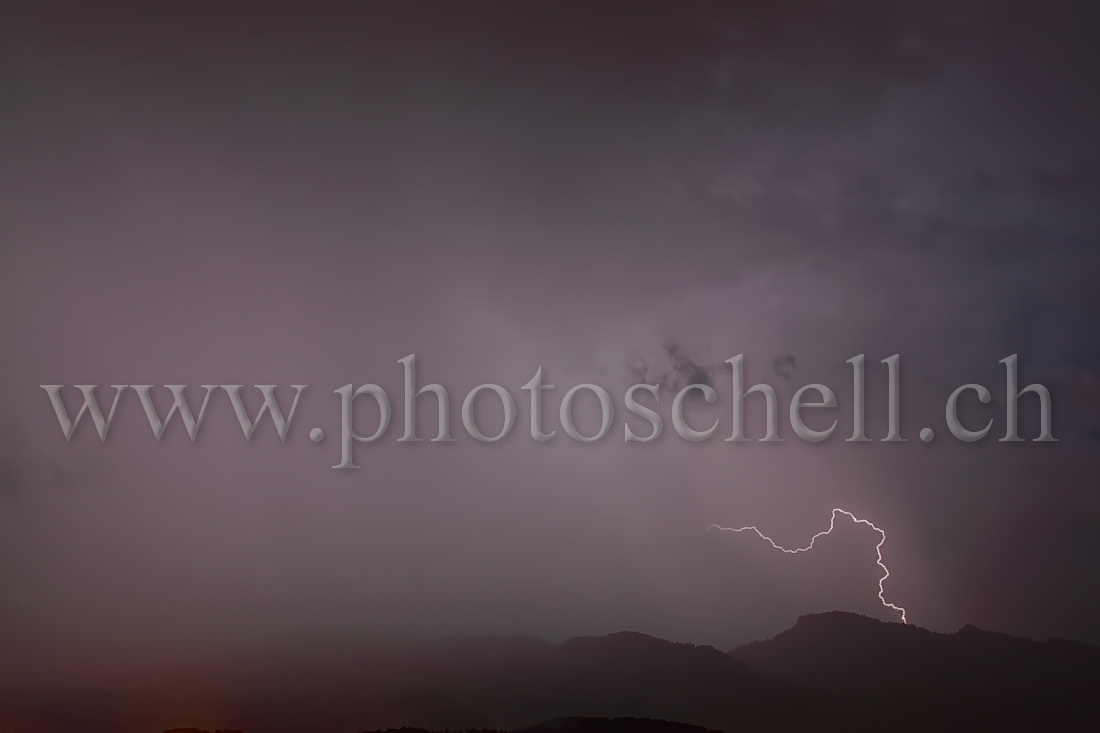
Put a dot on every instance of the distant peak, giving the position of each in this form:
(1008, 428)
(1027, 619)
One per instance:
(619, 639)
(618, 635)
(835, 617)
(973, 632)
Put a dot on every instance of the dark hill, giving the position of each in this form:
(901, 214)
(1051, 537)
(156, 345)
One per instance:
(833, 671)
(583, 725)
(971, 674)
(612, 725)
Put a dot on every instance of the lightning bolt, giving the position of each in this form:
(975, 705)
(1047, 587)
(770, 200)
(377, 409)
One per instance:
(832, 526)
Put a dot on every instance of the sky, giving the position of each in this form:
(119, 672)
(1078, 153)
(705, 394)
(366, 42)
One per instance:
(611, 192)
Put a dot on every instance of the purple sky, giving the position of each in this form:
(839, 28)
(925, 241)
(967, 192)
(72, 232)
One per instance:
(235, 197)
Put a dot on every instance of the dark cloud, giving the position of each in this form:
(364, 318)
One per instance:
(784, 364)
(617, 194)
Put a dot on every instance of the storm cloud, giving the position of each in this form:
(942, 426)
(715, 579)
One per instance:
(614, 193)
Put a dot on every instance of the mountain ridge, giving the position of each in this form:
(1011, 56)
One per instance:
(836, 670)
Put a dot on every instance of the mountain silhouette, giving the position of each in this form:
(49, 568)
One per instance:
(976, 676)
(612, 725)
(577, 725)
(833, 671)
